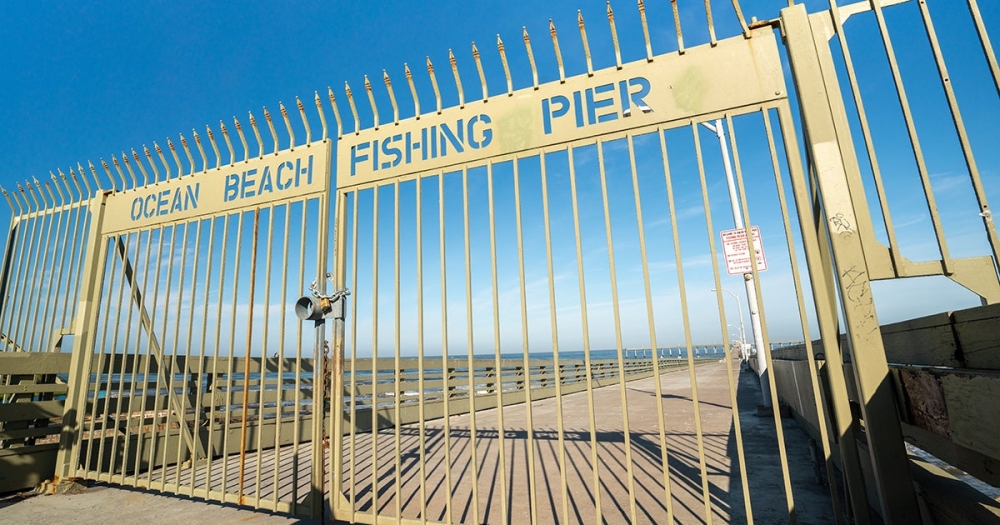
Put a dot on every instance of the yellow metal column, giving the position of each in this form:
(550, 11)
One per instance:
(885, 440)
(86, 318)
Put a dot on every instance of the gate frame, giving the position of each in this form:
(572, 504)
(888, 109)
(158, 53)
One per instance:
(820, 102)
(88, 310)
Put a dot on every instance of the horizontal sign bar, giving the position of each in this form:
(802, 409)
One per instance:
(735, 73)
(255, 182)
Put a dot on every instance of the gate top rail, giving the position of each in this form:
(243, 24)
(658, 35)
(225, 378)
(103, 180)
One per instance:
(36, 197)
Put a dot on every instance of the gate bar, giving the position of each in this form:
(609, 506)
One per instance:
(616, 310)
(695, 404)
(738, 431)
(800, 302)
(585, 332)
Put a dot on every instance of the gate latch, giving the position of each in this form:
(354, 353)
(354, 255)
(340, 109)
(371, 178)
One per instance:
(322, 306)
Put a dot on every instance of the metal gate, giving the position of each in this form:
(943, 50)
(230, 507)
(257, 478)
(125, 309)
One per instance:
(531, 319)
(566, 215)
(510, 249)
(194, 378)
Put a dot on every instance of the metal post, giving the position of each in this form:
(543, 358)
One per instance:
(743, 334)
(748, 280)
(806, 51)
(86, 319)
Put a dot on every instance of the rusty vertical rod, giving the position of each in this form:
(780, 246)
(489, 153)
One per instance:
(246, 360)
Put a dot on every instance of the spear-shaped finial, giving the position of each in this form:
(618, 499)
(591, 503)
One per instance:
(531, 58)
(555, 45)
(187, 151)
(413, 90)
(645, 31)
(354, 108)
(506, 66)
(305, 121)
(270, 125)
(482, 75)
(322, 115)
(371, 100)
(614, 36)
(336, 112)
(243, 138)
(434, 84)
(229, 142)
(392, 97)
(586, 44)
(288, 125)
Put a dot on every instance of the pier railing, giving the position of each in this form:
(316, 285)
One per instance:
(123, 440)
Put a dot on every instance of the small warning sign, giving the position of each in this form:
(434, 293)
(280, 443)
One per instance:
(734, 246)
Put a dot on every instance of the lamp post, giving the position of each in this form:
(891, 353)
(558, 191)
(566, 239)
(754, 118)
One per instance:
(743, 334)
(748, 280)
(744, 353)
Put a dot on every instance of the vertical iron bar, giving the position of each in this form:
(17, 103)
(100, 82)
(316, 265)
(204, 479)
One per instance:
(352, 412)
(911, 129)
(420, 346)
(525, 346)
(172, 400)
(202, 386)
(627, 432)
(262, 383)
(810, 357)
(296, 425)
(138, 298)
(682, 293)
(894, 250)
(231, 362)
(445, 375)
(984, 41)
(397, 423)
(737, 427)
(280, 394)
(664, 453)
(963, 136)
(561, 436)
(373, 402)
(218, 398)
(779, 428)
(249, 351)
(588, 364)
(470, 345)
(498, 370)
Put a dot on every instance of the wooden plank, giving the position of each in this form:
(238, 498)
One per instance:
(974, 463)
(978, 333)
(57, 388)
(30, 363)
(973, 411)
(30, 432)
(27, 468)
(25, 451)
(923, 341)
(35, 410)
(949, 500)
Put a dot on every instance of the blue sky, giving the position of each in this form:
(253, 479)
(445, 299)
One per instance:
(89, 81)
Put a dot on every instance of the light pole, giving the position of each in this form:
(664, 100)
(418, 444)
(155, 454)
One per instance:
(743, 334)
(748, 280)
(744, 352)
